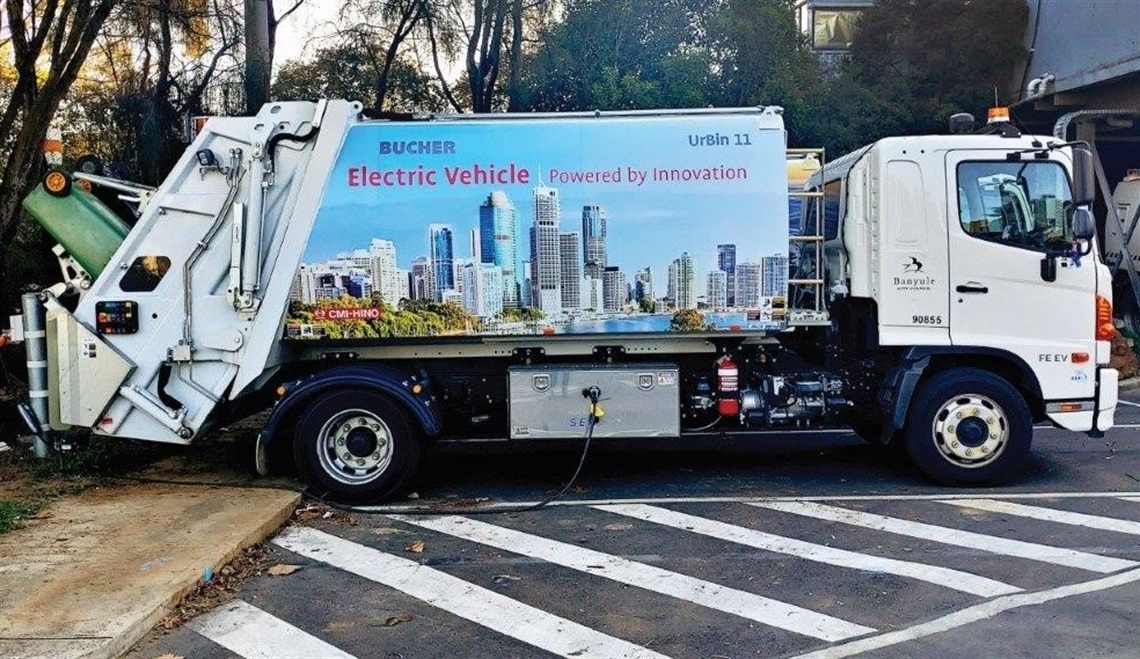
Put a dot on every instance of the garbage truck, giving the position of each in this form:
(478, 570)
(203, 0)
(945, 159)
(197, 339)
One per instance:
(382, 284)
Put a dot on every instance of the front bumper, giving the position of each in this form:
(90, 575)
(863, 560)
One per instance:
(1107, 396)
(1096, 415)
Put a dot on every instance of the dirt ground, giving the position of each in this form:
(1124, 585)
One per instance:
(225, 456)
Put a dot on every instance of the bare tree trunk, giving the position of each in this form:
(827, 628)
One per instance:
(409, 14)
(434, 38)
(258, 54)
(514, 62)
(484, 50)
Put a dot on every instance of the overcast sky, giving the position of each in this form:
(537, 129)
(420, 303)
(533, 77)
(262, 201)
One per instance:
(301, 32)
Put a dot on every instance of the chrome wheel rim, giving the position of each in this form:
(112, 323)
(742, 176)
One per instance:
(355, 447)
(970, 430)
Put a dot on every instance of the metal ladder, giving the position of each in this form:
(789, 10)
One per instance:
(809, 281)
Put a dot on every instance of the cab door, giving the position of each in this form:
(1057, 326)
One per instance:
(1008, 217)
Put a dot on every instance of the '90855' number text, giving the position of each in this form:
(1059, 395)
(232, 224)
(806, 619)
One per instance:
(926, 320)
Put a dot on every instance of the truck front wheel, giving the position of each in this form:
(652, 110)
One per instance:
(357, 445)
(969, 427)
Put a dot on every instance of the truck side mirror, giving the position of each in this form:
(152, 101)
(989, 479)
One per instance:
(1084, 176)
(1083, 224)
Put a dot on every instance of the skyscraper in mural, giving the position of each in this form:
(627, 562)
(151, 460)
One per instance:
(546, 251)
(683, 282)
(775, 275)
(571, 271)
(385, 272)
(421, 279)
(717, 292)
(594, 241)
(726, 263)
(749, 284)
(499, 242)
(526, 290)
(643, 286)
(614, 289)
(442, 239)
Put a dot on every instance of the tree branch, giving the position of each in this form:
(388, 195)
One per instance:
(447, 93)
(296, 5)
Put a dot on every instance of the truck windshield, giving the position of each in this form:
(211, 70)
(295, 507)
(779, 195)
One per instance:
(1023, 204)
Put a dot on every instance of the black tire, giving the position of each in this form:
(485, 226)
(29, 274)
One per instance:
(968, 427)
(372, 431)
(57, 183)
(1125, 308)
(90, 164)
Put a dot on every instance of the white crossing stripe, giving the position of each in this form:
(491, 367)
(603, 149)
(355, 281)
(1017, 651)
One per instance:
(948, 536)
(507, 616)
(705, 593)
(1050, 515)
(946, 577)
(1132, 499)
(969, 615)
(250, 632)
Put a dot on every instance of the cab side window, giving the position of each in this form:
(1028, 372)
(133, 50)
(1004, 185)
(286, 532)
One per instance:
(1021, 204)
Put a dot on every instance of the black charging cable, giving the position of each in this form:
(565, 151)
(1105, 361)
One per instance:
(593, 394)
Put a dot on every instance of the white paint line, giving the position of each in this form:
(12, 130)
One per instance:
(948, 536)
(705, 593)
(946, 577)
(1132, 499)
(252, 633)
(421, 508)
(1127, 402)
(976, 613)
(1050, 515)
(507, 616)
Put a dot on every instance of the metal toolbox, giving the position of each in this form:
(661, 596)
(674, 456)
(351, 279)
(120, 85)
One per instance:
(638, 400)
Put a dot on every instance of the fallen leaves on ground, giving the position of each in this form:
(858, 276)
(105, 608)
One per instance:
(397, 619)
(416, 547)
(282, 569)
(321, 511)
(223, 588)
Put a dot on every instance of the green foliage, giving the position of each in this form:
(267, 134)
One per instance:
(411, 318)
(96, 455)
(913, 63)
(923, 61)
(688, 320)
(646, 305)
(350, 71)
(27, 264)
(525, 314)
(619, 54)
(12, 513)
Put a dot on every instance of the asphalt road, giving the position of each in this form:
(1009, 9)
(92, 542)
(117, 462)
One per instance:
(812, 544)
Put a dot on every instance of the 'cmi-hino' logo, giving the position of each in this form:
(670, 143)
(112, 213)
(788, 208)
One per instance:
(914, 267)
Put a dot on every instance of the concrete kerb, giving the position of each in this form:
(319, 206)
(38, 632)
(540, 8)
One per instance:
(98, 572)
(135, 633)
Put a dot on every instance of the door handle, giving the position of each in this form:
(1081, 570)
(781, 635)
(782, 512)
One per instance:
(972, 287)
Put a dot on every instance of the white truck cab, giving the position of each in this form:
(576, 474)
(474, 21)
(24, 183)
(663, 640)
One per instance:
(963, 247)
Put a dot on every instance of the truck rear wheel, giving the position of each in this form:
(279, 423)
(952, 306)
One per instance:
(969, 427)
(358, 445)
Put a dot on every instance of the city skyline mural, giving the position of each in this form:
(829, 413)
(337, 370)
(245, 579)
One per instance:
(578, 225)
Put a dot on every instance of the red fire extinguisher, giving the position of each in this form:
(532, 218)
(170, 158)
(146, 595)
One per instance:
(727, 387)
